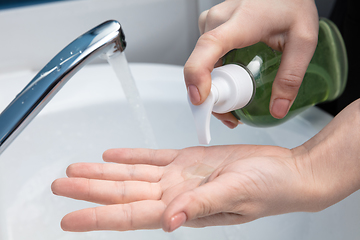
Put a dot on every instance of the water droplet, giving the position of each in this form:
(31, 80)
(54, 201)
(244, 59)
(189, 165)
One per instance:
(71, 53)
(58, 68)
(61, 59)
(80, 51)
(22, 102)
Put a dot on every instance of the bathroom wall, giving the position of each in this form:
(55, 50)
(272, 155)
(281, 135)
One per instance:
(324, 6)
(160, 31)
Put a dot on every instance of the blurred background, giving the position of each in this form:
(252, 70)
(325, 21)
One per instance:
(157, 31)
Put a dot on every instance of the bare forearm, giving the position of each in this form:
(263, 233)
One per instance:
(332, 158)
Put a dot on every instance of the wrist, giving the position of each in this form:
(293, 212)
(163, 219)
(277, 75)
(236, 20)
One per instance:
(329, 163)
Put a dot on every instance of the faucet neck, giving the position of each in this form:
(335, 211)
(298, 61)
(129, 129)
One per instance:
(107, 38)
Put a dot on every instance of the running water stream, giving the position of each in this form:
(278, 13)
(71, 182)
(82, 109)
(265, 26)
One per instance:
(121, 68)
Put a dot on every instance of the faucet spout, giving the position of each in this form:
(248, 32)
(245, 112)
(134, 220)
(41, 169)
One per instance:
(107, 38)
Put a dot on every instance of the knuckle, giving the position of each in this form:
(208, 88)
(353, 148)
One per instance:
(307, 35)
(152, 155)
(131, 170)
(89, 191)
(127, 215)
(121, 192)
(203, 206)
(101, 171)
(202, 17)
(215, 17)
(290, 81)
(96, 218)
(309, 38)
(211, 39)
(191, 196)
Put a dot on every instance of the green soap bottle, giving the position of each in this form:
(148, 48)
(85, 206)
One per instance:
(243, 84)
(325, 78)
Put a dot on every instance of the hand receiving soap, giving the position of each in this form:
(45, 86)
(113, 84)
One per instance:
(243, 84)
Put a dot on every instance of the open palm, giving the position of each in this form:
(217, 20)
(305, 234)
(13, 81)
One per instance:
(198, 186)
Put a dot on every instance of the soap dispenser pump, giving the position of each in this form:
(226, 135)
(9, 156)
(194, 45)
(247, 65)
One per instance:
(232, 88)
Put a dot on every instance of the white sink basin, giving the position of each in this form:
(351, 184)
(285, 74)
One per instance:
(90, 115)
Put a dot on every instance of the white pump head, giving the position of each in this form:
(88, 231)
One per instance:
(232, 88)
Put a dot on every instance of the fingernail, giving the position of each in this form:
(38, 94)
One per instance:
(194, 94)
(177, 220)
(280, 108)
(229, 124)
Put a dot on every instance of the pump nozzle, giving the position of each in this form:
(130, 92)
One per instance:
(232, 88)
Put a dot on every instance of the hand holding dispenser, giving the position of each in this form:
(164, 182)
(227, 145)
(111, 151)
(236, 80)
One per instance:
(243, 85)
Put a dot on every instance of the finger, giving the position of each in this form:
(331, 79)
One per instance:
(295, 59)
(208, 199)
(210, 47)
(121, 217)
(202, 21)
(140, 156)
(115, 172)
(106, 192)
(227, 119)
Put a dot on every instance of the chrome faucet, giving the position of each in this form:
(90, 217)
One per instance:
(105, 39)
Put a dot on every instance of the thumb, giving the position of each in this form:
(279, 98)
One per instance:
(206, 200)
(295, 59)
(210, 47)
